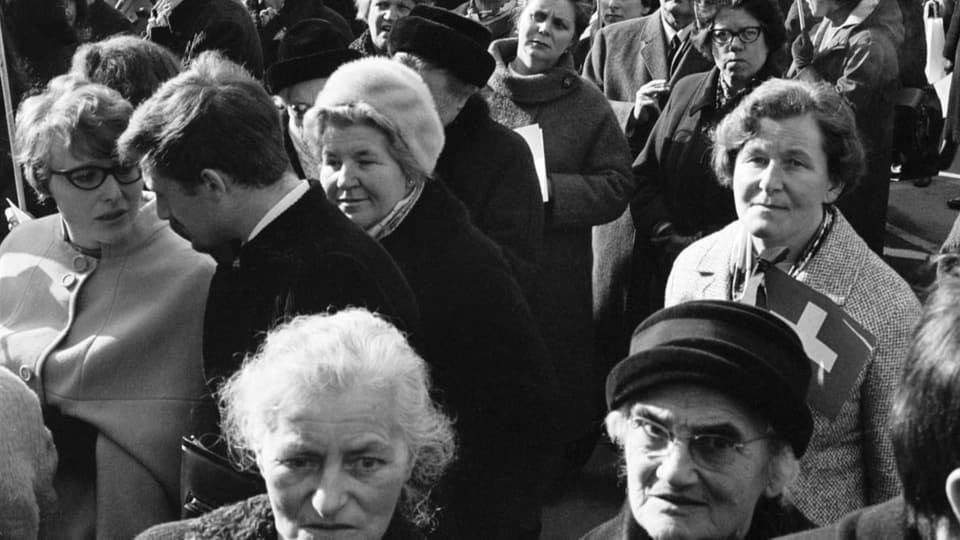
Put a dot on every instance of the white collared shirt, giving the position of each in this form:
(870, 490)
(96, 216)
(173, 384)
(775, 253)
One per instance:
(282, 205)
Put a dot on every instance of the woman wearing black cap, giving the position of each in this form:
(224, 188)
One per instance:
(710, 412)
(789, 151)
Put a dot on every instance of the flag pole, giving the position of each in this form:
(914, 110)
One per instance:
(8, 111)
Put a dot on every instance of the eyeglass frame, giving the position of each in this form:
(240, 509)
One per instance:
(735, 34)
(106, 171)
(640, 423)
(297, 110)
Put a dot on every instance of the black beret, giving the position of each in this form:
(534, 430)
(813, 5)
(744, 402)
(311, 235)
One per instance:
(745, 352)
(311, 49)
(446, 40)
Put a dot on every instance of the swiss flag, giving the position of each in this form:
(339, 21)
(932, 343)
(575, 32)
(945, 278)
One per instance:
(838, 346)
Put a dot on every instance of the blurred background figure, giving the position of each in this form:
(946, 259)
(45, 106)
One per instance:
(588, 181)
(709, 411)
(335, 413)
(609, 12)
(117, 379)
(94, 20)
(42, 36)
(276, 18)
(308, 54)
(133, 66)
(379, 134)
(485, 164)
(789, 151)
(380, 16)
(28, 461)
(855, 48)
(189, 27)
(925, 429)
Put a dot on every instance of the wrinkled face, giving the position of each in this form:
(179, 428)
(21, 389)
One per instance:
(192, 213)
(737, 61)
(335, 468)
(781, 182)
(611, 11)
(359, 175)
(381, 17)
(104, 215)
(672, 495)
(545, 29)
(679, 10)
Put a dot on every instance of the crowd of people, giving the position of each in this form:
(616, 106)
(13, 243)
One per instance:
(304, 269)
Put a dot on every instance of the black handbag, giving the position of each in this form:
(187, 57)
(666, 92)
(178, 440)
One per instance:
(917, 125)
(209, 480)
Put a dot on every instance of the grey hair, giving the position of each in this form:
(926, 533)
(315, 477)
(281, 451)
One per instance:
(333, 353)
(318, 119)
(455, 87)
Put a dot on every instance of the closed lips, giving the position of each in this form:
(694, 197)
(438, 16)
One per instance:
(109, 216)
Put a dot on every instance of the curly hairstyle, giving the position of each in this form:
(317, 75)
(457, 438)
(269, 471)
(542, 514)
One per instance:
(329, 354)
(133, 66)
(778, 99)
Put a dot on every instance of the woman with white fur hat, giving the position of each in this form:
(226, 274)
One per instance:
(377, 131)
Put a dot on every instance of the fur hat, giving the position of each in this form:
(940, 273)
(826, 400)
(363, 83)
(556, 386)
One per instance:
(398, 97)
(446, 40)
(742, 351)
(311, 49)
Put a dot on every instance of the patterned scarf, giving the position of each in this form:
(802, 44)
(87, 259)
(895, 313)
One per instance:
(392, 220)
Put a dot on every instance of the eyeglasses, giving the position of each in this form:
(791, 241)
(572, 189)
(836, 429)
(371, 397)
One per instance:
(723, 36)
(90, 177)
(711, 451)
(294, 109)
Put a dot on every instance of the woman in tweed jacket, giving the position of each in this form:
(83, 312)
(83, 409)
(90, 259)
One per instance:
(790, 150)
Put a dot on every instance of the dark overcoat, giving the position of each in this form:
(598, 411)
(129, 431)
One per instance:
(884, 521)
(490, 169)
(488, 363)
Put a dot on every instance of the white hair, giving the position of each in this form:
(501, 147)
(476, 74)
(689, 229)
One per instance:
(334, 353)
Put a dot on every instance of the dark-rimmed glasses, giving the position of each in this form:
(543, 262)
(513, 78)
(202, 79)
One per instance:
(711, 451)
(723, 36)
(90, 177)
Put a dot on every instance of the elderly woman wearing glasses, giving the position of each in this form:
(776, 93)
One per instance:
(678, 197)
(101, 312)
(710, 412)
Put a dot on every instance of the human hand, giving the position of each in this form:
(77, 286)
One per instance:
(802, 50)
(267, 15)
(648, 97)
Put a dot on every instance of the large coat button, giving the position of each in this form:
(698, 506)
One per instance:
(26, 373)
(81, 264)
(69, 281)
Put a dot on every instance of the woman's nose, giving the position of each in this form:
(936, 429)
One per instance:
(329, 497)
(771, 177)
(110, 189)
(736, 44)
(346, 177)
(676, 466)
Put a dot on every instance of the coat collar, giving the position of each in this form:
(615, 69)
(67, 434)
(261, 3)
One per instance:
(833, 271)
(705, 96)
(545, 87)
(653, 51)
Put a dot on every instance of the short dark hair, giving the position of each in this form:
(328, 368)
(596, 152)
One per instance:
(133, 66)
(768, 14)
(779, 99)
(214, 115)
(925, 421)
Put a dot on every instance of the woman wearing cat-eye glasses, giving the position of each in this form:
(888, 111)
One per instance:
(101, 310)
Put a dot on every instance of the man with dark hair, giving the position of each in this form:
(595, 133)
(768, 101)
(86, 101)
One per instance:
(486, 165)
(210, 146)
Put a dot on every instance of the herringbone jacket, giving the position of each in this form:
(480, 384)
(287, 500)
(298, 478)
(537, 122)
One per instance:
(849, 463)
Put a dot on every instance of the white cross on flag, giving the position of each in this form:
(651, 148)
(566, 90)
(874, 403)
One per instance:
(838, 346)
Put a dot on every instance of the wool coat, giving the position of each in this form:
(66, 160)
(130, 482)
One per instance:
(195, 26)
(884, 521)
(28, 461)
(849, 463)
(771, 517)
(490, 168)
(675, 183)
(310, 259)
(588, 170)
(250, 519)
(488, 363)
(860, 60)
(112, 348)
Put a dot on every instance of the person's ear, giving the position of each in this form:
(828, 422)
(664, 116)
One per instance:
(214, 183)
(953, 491)
(833, 193)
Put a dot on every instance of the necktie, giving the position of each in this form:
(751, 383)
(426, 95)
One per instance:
(673, 54)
